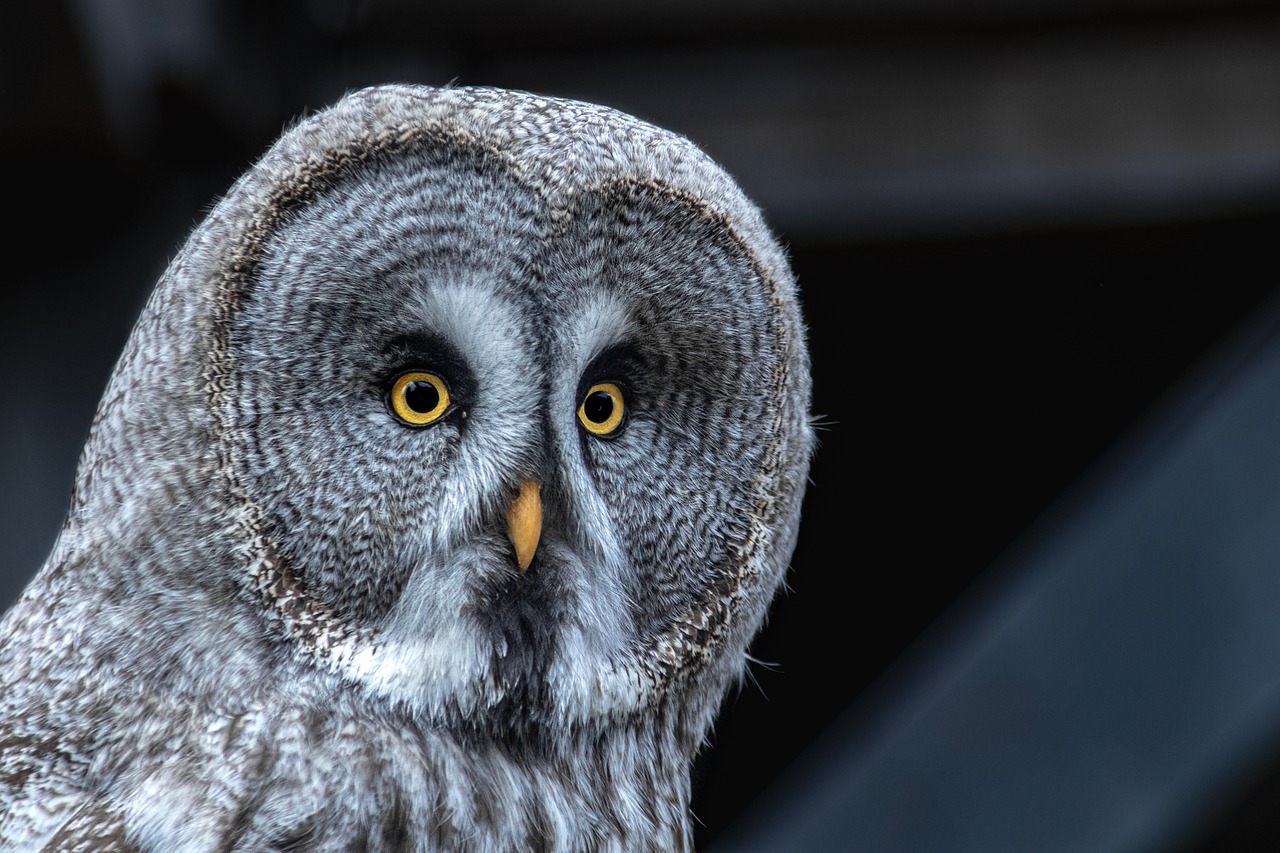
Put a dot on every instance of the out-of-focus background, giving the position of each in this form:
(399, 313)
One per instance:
(1036, 601)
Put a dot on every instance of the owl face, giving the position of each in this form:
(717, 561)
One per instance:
(452, 341)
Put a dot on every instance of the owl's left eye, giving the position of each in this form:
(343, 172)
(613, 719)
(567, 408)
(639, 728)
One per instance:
(418, 398)
(602, 410)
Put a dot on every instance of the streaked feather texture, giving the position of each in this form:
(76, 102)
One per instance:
(279, 618)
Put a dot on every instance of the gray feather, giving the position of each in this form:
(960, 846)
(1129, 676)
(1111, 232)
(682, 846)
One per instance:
(279, 618)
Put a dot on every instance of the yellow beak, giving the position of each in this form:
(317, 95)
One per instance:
(524, 523)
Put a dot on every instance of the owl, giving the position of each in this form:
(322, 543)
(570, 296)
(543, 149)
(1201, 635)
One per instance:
(443, 481)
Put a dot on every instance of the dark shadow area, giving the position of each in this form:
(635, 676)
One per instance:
(964, 385)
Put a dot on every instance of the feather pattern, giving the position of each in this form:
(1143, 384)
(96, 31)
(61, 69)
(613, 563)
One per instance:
(278, 618)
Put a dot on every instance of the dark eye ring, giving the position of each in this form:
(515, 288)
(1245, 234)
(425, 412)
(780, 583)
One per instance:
(418, 398)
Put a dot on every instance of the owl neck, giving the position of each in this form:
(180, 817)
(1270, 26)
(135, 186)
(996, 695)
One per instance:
(618, 784)
(625, 779)
(626, 785)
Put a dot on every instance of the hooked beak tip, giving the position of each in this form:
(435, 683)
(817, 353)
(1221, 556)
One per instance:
(524, 523)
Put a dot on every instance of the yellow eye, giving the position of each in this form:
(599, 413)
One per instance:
(418, 398)
(602, 409)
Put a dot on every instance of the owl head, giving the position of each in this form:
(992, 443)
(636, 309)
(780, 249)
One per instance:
(488, 407)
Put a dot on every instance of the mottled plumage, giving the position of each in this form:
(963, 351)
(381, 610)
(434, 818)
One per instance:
(286, 612)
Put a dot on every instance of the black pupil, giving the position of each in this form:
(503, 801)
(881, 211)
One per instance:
(598, 407)
(422, 397)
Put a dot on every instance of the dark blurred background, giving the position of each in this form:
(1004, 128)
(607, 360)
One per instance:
(1035, 243)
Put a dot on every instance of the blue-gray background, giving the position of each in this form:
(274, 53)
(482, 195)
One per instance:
(1036, 604)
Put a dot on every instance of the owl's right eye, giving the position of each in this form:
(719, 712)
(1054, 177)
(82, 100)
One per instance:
(418, 398)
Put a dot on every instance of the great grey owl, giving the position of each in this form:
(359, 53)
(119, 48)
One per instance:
(441, 485)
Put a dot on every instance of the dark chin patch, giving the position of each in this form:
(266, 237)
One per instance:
(519, 613)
